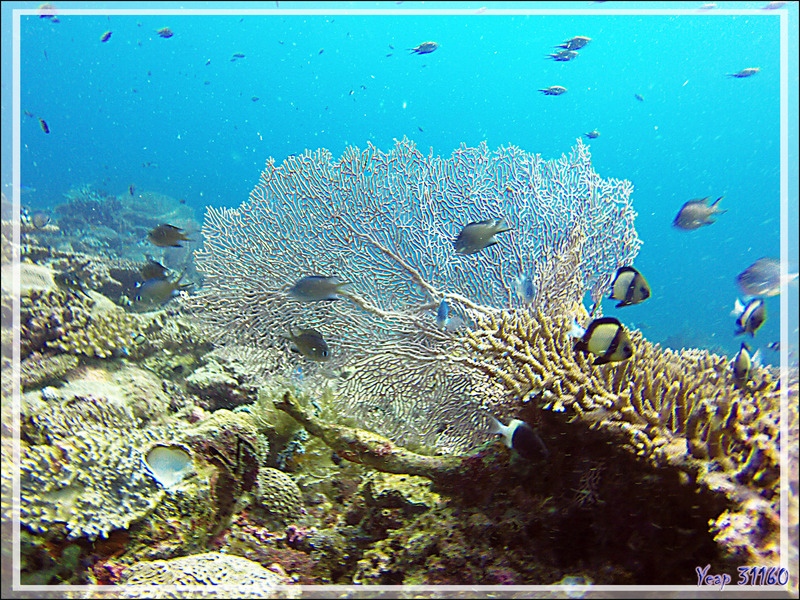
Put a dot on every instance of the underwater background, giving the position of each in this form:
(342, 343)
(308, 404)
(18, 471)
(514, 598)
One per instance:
(153, 112)
(179, 440)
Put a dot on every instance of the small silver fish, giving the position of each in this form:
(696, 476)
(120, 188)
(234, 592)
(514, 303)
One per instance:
(158, 291)
(442, 314)
(629, 287)
(476, 236)
(750, 317)
(315, 288)
(554, 90)
(524, 288)
(167, 235)
(592, 134)
(424, 48)
(696, 213)
(745, 73)
(606, 338)
(563, 55)
(521, 437)
(763, 278)
(309, 343)
(575, 43)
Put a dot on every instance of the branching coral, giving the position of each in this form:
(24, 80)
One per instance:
(671, 409)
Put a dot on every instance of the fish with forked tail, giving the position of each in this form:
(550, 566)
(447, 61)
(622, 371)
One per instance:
(425, 48)
(478, 235)
(554, 90)
(745, 73)
(696, 213)
(166, 235)
(316, 288)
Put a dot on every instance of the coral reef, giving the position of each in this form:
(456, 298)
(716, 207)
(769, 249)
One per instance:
(225, 381)
(210, 568)
(82, 473)
(38, 370)
(278, 494)
(671, 409)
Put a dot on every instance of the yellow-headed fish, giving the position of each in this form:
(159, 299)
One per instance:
(629, 287)
(606, 338)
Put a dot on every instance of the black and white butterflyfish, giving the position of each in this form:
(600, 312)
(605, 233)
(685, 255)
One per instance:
(521, 437)
(750, 316)
(606, 338)
(629, 287)
(743, 364)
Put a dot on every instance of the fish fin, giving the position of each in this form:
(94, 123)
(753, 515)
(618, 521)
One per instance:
(738, 309)
(344, 287)
(576, 330)
(496, 426)
(755, 360)
(601, 360)
(621, 304)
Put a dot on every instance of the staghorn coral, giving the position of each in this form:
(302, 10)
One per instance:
(670, 409)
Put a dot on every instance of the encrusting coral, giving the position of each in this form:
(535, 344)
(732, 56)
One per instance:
(210, 568)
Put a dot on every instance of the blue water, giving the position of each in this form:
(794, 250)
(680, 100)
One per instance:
(326, 81)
